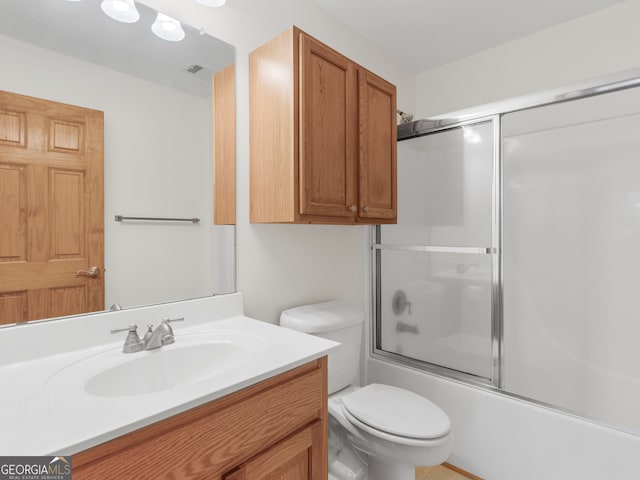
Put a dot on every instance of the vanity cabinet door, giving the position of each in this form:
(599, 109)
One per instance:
(294, 458)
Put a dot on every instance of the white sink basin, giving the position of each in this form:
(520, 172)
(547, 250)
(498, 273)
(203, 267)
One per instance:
(192, 358)
(159, 370)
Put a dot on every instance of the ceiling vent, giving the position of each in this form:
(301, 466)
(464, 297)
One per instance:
(195, 68)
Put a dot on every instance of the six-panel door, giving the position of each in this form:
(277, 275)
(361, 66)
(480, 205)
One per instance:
(51, 209)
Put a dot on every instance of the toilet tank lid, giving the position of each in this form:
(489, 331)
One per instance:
(322, 317)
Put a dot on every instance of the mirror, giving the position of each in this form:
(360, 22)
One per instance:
(156, 99)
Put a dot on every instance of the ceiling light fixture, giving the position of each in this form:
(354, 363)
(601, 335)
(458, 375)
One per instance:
(167, 28)
(121, 10)
(211, 3)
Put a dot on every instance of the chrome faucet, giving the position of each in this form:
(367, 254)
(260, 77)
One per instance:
(162, 335)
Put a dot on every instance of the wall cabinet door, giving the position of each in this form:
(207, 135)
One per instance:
(295, 458)
(378, 140)
(328, 131)
(224, 146)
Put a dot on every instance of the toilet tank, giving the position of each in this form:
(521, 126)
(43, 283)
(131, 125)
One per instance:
(338, 321)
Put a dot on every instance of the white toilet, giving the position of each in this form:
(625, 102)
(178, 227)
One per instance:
(377, 432)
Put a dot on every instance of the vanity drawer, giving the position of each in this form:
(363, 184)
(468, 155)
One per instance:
(210, 440)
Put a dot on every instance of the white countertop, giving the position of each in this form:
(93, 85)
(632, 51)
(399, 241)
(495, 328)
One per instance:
(40, 415)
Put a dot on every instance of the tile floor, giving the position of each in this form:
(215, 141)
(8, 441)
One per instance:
(439, 472)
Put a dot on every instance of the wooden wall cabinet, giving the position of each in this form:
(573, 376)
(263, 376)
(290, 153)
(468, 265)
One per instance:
(274, 430)
(224, 146)
(322, 136)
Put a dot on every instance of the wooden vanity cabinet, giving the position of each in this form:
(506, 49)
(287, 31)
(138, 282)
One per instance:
(322, 136)
(274, 430)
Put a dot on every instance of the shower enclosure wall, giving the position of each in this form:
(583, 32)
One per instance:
(515, 263)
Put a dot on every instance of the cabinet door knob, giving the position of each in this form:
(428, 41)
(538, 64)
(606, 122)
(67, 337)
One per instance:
(366, 209)
(353, 208)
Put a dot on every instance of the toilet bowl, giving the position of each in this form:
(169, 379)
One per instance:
(376, 432)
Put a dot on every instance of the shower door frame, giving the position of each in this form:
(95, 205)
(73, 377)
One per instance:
(599, 86)
(494, 250)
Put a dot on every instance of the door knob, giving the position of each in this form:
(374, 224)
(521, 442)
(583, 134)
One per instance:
(353, 208)
(91, 272)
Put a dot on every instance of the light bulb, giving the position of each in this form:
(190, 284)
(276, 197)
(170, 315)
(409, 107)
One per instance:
(212, 3)
(121, 10)
(167, 28)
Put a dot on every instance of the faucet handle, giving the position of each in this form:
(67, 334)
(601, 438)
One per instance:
(169, 320)
(131, 329)
(132, 343)
(148, 334)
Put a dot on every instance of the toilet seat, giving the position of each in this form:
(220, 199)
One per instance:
(396, 414)
(392, 439)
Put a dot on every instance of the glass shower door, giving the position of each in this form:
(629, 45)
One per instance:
(436, 268)
(571, 295)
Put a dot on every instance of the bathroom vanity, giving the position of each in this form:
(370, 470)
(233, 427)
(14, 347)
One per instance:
(233, 398)
(277, 426)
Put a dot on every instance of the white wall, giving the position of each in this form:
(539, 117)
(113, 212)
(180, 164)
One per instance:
(280, 266)
(155, 165)
(496, 437)
(597, 44)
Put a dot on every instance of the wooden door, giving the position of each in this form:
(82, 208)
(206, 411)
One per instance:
(378, 147)
(51, 209)
(328, 131)
(292, 459)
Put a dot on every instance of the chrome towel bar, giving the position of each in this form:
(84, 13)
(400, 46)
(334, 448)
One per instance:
(434, 249)
(120, 218)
